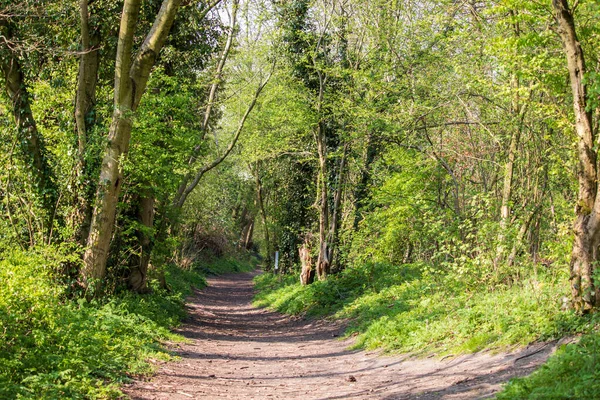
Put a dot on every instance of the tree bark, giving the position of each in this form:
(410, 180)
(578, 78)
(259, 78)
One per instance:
(250, 233)
(138, 276)
(87, 78)
(247, 229)
(507, 194)
(337, 209)
(360, 191)
(323, 262)
(307, 275)
(85, 102)
(517, 245)
(131, 77)
(586, 226)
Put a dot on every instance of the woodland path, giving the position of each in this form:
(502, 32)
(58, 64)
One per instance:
(237, 351)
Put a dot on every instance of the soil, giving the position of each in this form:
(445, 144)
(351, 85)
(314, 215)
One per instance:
(237, 351)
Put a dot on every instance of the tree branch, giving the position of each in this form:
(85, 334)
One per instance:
(181, 200)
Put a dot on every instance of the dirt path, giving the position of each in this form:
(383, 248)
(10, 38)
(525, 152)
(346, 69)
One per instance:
(240, 352)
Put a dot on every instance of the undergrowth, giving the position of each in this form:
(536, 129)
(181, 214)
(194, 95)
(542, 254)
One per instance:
(403, 309)
(226, 264)
(400, 308)
(571, 373)
(54, 347)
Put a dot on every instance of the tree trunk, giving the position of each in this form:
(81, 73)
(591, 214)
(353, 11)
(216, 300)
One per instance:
(86, 79)
(518, 243)
(323, 262)
(586, 227)
(360, 191)
(85, 102)
(243, 225)
(507, 194)
(138, 276)
(131, 77)
(518, 114)
(307, 275)
(247, 229)
(248, 240)
(508, 177)
(337, 209)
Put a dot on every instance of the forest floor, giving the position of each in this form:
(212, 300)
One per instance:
(237, 351)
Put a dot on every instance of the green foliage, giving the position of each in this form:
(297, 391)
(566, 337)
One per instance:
(416, 214)
(226, 265)
(165, 131)
(404, 213)
(571, 373)
(53, 347)
(405, 308)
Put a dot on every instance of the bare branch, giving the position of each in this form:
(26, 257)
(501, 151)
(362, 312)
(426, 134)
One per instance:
(181, 200)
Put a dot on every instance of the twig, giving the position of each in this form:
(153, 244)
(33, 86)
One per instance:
(530, 354)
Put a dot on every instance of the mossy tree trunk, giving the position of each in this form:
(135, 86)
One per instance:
(138, 275)
(323, 260)
(85, 101)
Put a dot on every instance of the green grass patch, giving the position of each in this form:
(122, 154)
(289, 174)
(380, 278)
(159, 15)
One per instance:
(400, 309)
(571, 373)
(52, 347)
(225, 265)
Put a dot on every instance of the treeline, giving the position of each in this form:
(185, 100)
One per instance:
(459, 135)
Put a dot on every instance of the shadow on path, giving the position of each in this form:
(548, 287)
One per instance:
(237, 351)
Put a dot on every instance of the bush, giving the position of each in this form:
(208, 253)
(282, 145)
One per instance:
(225, 265)
(52, 347)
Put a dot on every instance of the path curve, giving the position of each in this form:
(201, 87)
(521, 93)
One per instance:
(241, 352)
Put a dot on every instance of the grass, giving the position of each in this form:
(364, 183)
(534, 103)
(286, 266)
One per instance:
(572, 373)
(53, 347)
(400, 309)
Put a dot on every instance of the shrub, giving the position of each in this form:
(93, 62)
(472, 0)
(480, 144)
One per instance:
(52, 347)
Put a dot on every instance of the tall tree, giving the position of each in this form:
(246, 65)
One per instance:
(131, 76)
(585, 254)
